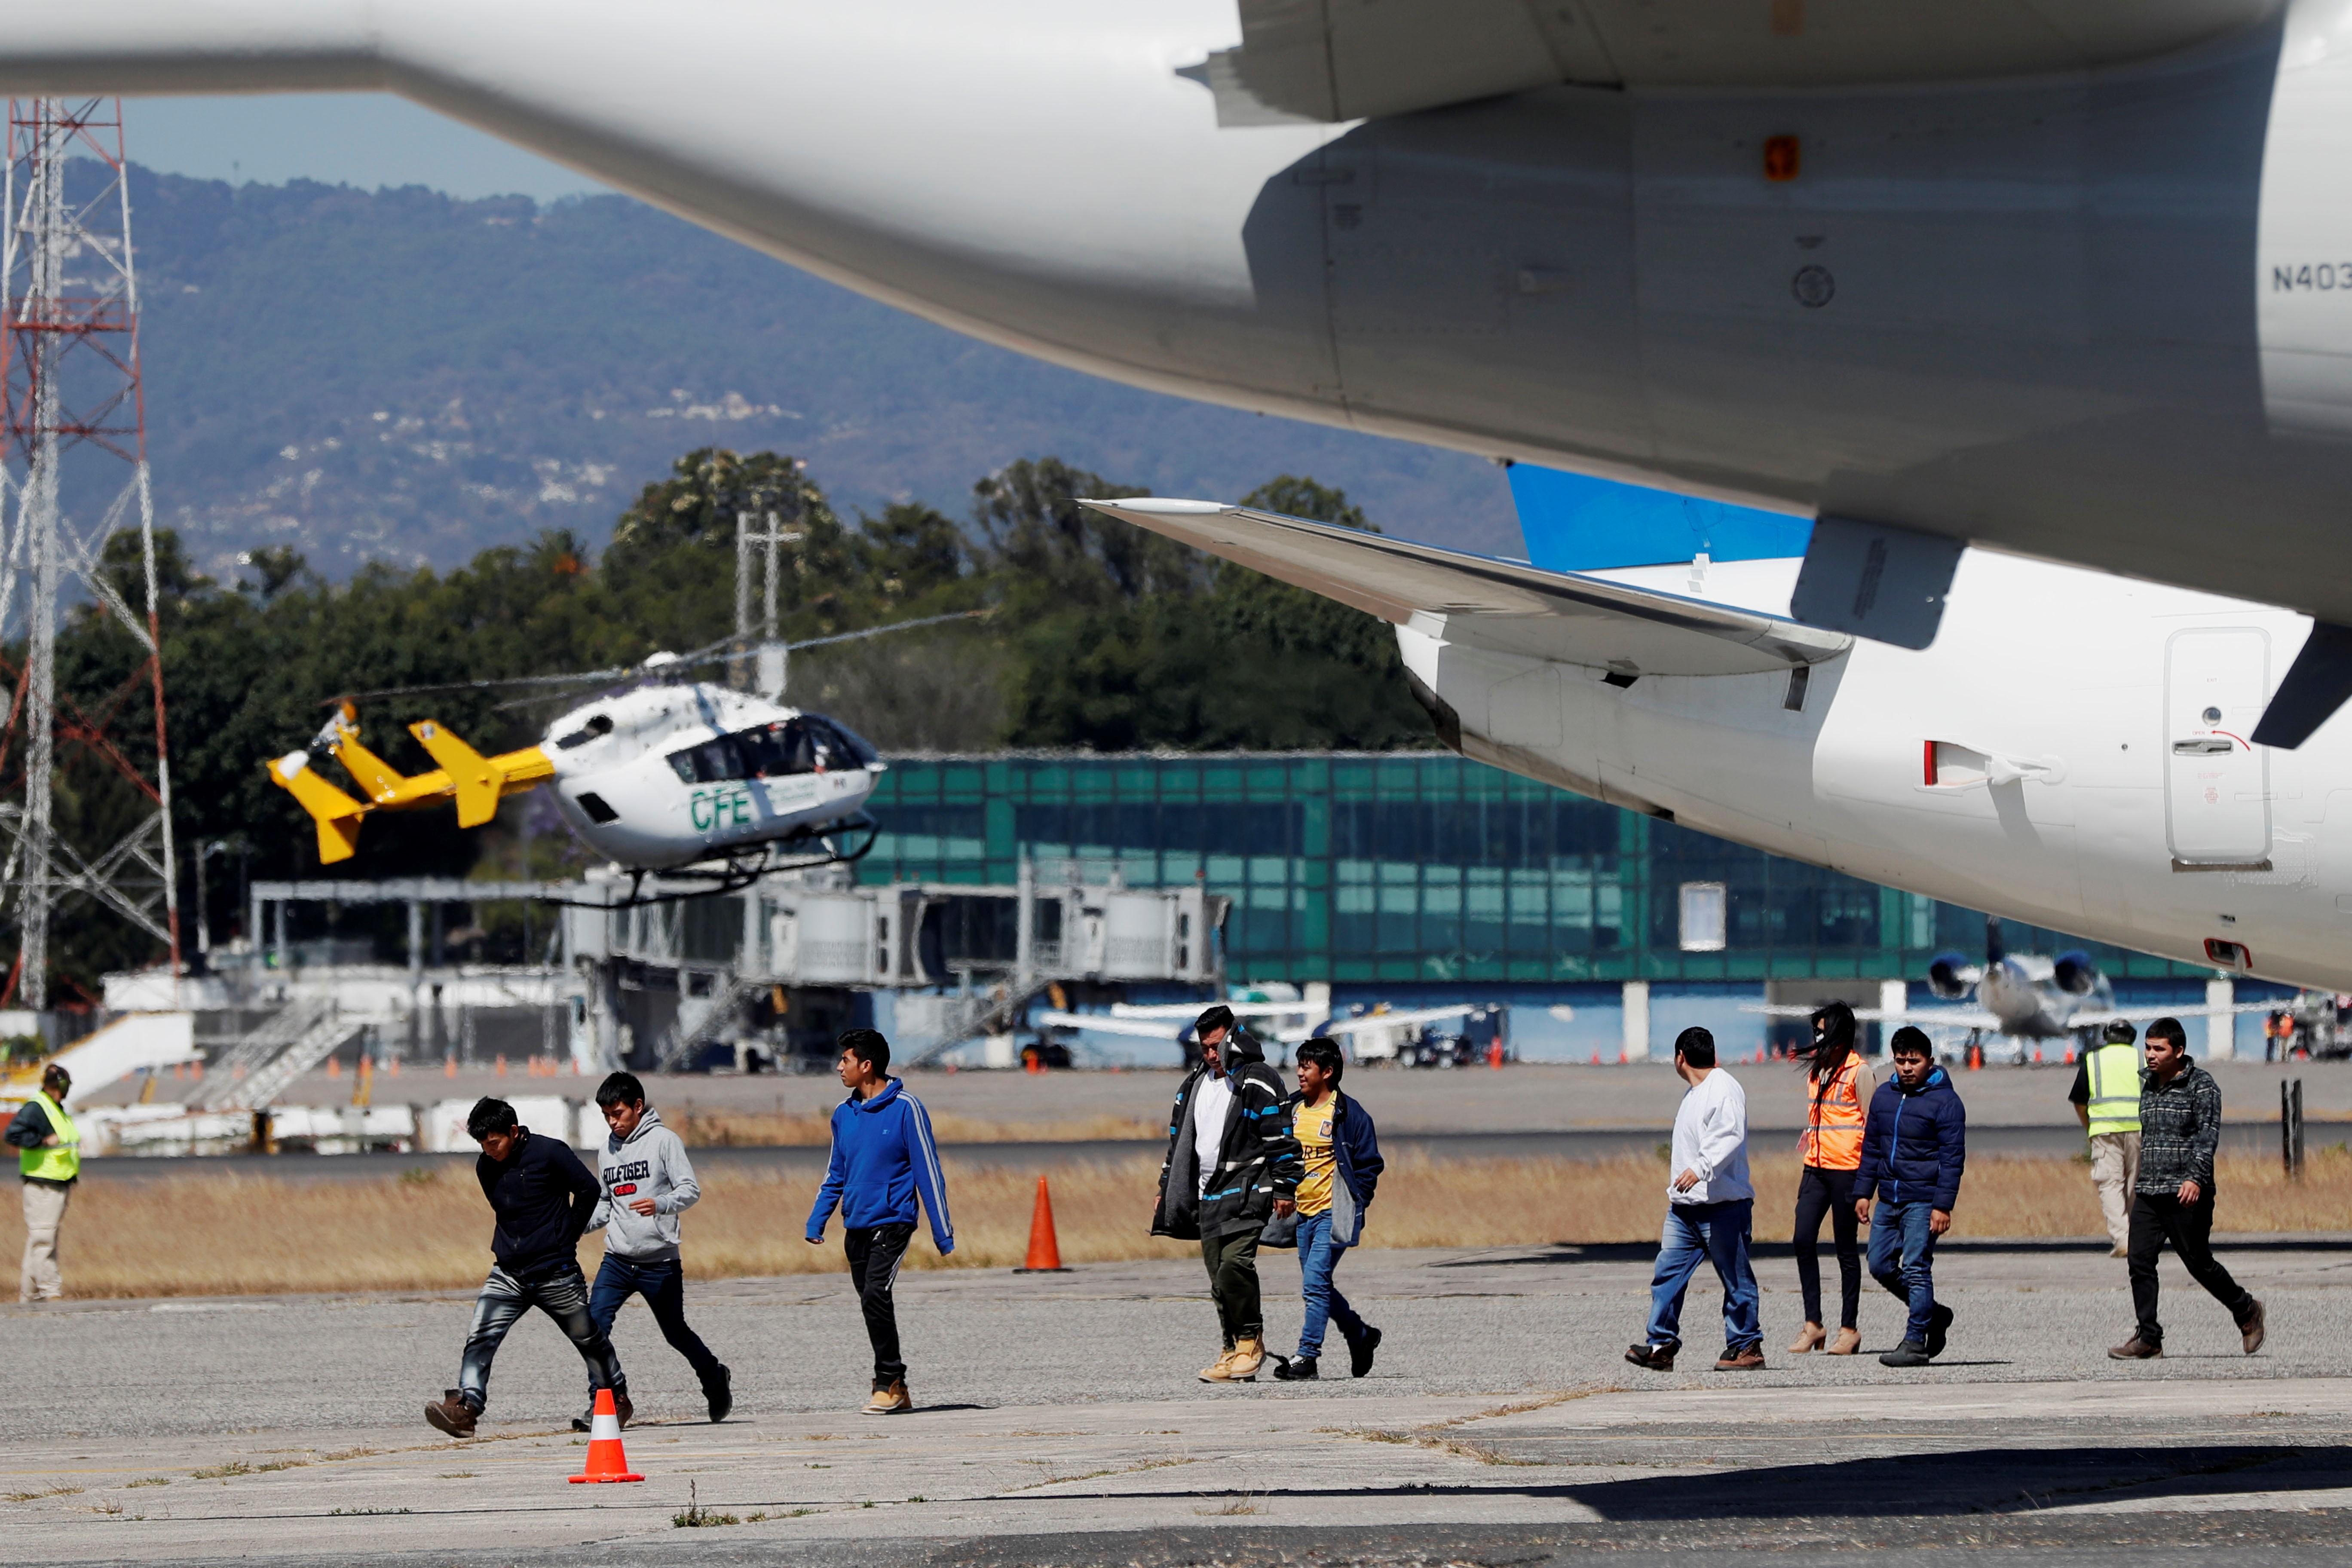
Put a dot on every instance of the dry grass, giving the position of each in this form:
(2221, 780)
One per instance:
(207, 1234)
(814, 1130)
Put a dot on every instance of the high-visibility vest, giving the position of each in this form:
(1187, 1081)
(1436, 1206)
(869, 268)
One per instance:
(61, 1164)
(2114, 1073)
(1832, 1140)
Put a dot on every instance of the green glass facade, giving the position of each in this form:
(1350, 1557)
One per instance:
(1415, 867)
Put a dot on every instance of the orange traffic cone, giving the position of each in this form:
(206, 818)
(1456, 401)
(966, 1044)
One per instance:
(1045, 1252)
(606, 1462)
(1495, 1054)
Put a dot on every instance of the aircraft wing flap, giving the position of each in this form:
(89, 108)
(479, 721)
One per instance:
(1336, 60)
(1509, 605)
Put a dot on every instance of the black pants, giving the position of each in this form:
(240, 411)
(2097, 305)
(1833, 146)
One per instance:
(2157, 1219)
(875, 1253)
(1232, 1262)
(1821, 1191)
(662, 1282)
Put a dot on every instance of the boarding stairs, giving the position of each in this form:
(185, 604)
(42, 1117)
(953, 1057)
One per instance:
(703, 1019)
(317, 1030)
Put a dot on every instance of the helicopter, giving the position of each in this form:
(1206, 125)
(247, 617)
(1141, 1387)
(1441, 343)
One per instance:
(688, 779)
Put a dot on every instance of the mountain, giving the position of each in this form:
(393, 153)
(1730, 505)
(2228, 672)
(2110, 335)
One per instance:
(402, 375)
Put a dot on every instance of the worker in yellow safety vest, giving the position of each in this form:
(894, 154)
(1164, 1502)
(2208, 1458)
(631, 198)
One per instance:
(49, 1157)
(2107, 1099)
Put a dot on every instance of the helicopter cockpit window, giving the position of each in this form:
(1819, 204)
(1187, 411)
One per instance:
(713, 761)
(601, 724)
(851, 750)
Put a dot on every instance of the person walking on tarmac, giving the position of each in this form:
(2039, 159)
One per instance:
(1830, 1147)
(48, 1157)
(1339, 1170)
(884, 1162)
(1232, 1165)
(542, 1196)
(1710, 1212)
(2172, 1196)
(1915, 1149)
(2107, 1099)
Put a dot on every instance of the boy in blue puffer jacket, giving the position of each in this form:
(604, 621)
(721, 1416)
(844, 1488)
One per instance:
(1914, 1148)
(883, 1162)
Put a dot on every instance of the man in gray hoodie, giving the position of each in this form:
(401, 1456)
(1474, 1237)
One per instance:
(646, 1183)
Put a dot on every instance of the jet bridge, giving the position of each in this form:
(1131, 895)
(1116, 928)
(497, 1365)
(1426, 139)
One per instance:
(997, 945)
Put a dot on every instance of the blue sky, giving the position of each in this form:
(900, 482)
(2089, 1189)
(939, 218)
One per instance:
(363, 139)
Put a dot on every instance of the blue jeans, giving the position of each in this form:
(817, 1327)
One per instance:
(561, 1295)
(662, 1282)
(1319, 1256)
(1718, 1233)
(1903, 1258)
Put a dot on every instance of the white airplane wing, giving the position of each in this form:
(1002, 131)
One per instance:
(1934, 1017)
(1188, 1011)
(1104, 1023)
(2149, 1015)
(1335, 61)
(1506, 606)
(1392, 1020)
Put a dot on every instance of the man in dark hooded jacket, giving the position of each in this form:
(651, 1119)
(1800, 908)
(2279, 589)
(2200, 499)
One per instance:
(1914, 1146)
(1232, 1165)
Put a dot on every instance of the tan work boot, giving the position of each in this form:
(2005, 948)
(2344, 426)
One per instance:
(1809, 1337)
(892, 1401)
(1216, 1371)
(1847, 1341)
(1249, 1354)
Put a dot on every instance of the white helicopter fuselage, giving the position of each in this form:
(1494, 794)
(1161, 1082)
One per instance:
(2049, 757)
(621, 787)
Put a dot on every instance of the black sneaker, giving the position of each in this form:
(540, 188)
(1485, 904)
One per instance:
(582, 1423)
(722, 1396)
(1295, 1369)
(1657, 1358)
(1940, 1325)
(1910, 1353)
(1360, 1349)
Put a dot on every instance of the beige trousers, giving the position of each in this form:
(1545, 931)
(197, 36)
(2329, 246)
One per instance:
(45, 1210)
(2115, 1161)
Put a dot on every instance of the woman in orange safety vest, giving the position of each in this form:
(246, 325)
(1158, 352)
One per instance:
(1838, 1088)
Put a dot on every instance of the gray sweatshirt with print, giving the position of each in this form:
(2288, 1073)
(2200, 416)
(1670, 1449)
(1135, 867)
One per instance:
(651, 1165)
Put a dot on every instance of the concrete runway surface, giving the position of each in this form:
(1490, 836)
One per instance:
(1060, 1423)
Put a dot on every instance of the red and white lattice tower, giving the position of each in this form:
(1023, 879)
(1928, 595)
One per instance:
(73, 471)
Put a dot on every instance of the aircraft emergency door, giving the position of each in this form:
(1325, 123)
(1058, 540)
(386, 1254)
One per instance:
(2215, 781)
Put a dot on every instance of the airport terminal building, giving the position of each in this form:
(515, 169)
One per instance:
(1422, 876)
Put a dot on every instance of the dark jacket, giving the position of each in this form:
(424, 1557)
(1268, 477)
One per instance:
(543, 1197)
(883, 1160)
(1356, 1148)
(2180, 1126)
(1914, 1143)
(1256, 1164)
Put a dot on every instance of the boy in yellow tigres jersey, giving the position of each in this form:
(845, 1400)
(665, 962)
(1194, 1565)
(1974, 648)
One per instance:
(1341, 1154)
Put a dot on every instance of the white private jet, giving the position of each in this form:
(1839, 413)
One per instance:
(2021, 997)
(1175, 1023)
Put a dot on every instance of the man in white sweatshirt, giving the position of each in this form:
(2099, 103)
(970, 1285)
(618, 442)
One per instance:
(646, 1183)
(1709, 1204)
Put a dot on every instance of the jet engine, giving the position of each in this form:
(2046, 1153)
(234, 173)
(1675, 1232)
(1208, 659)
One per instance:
(1952, 976)
(2076, 973)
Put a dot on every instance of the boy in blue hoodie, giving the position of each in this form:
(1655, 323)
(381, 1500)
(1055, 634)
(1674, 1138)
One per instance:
(1914, 1149)
(883, 1160)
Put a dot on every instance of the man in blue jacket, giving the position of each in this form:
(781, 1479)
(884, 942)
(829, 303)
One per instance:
(1914, 1148)
(883, 1160)
(1339, 1167)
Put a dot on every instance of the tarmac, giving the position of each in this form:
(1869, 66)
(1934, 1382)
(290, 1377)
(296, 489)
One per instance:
(1060, 1422)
